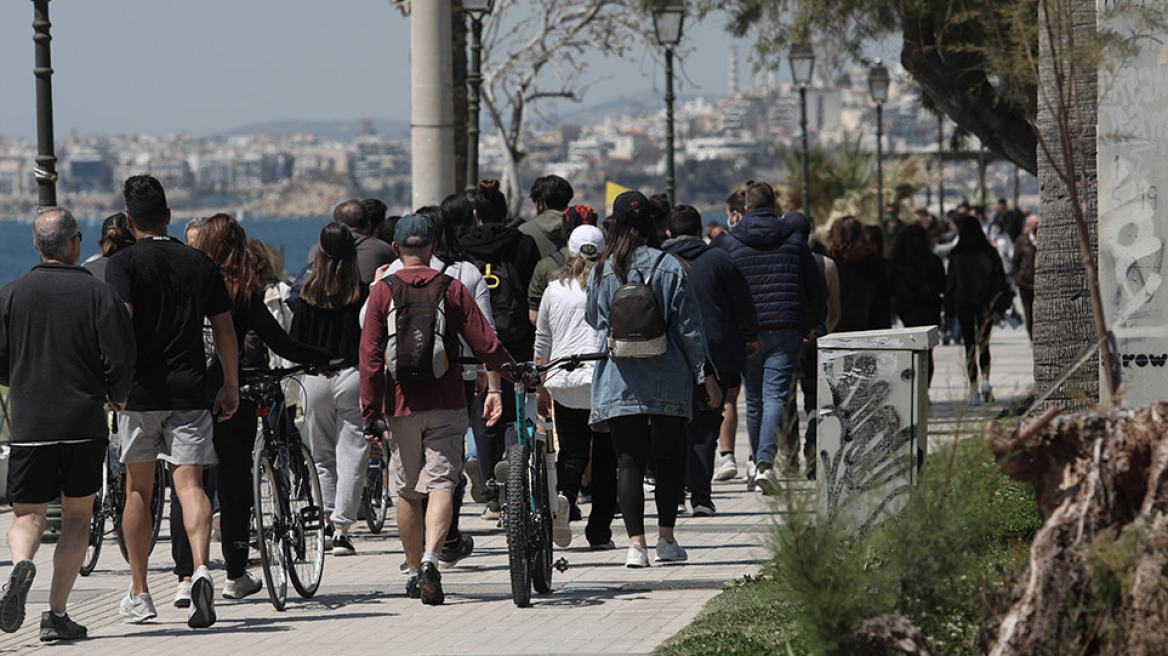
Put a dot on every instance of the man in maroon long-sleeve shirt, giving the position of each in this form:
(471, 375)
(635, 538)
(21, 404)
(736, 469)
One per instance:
(427, 420)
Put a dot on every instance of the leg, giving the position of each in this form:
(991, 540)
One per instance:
(438, 513)
(320, 427)
(667, 436)
(136, 521)
(352, 451)
(632, 452)
(729, 420)
(782, 353)
(188, 481)
(752, 383)
(985, 325)
(234, 440)
(75, 515)
(1027, 294)
(575, 440)
(180, 548)
(411, 527)
(967, 319)
(599, 528)
(24, 538)
(702, 443)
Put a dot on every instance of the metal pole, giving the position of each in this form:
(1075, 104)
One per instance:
(1017, 189)
(474, 80)
(670, 173)
(880, 164)
(806, 165)
(941, 167)
(46, 161)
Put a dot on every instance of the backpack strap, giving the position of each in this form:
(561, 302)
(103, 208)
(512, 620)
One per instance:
(656, 265)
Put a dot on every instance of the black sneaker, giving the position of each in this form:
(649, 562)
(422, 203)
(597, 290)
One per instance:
(15, 595)
(342, 545)
(413, 588)
(430, 581)
(60, 628)
(451, 554)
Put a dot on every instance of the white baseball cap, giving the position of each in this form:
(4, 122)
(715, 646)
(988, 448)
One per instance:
(586, 241)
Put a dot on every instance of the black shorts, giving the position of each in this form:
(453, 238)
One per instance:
(39, 474)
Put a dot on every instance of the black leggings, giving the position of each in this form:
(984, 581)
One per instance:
(639, 439)
(576, 440)
(975, 334)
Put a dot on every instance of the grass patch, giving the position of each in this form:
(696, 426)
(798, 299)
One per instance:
(945, 564)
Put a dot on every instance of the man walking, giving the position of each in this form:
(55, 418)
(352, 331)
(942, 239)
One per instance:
(169, 289)
(66, 346)
(790, 298)
(371, 252)
(428, 418)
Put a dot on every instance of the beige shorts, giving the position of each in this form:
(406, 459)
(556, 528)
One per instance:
(180, 437)
(427, 451)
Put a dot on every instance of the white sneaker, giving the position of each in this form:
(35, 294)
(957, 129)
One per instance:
(727, 468)
(670, 552)
(561, 532)
(751, 475)
(637, 557)
(216, 531)
(246, 585)
(987, 393)
(138, 608)
(202, 611)
(182, 597)
(768, 482)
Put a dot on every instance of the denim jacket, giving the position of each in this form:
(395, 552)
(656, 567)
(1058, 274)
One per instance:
(661, 385)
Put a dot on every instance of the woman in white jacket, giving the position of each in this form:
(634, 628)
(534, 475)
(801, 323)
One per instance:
(561, 331)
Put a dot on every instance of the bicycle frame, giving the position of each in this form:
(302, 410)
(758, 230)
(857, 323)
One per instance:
(527, 421)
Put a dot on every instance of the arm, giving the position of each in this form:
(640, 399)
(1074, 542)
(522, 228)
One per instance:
(372, 355)
(115, 336)
(227, 348)
(686, 316)
(814, 284)
(831, 275)
(470, 322)
(735, 287)
(270, 331)
(543, 334)
(482, 297)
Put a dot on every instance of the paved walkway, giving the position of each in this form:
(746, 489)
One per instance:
(598, 606)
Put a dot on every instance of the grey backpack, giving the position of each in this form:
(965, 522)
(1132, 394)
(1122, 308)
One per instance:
(636, 325)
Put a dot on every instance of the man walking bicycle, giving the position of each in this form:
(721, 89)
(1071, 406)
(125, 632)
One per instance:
(66, 346)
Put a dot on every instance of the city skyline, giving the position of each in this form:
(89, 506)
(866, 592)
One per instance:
(126, 67)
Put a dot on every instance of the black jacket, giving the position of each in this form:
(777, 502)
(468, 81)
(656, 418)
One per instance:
(728, 316)
(917, 288)
(66, 343)
(974, 279)
(865, 299)
(495, 243)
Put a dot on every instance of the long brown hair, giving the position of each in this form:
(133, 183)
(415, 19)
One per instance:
(849, 243)
(335, 281)
(225, 242)
(622, 238)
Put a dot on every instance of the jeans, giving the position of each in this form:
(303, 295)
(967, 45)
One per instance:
(768, 383)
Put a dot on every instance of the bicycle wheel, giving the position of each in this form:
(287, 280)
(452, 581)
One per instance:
(96, 524)
(541, 534)
(375, 498)
(269, 525)
(304, 543)
(518, 522)
(157, 503)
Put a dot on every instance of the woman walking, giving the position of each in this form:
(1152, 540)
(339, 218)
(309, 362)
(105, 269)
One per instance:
(976, 281)
(865, 298)
(328, 316)
(646, 401)
(918, 281)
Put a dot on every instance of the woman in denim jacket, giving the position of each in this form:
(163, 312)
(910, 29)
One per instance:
(645, 403)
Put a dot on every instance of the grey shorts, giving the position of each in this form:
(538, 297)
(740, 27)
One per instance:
(427, 451)
(180, 437)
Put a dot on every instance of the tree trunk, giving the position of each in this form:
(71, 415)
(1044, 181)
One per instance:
(1062, 306)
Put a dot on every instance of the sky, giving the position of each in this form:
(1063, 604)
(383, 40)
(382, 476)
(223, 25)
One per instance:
(146, 66)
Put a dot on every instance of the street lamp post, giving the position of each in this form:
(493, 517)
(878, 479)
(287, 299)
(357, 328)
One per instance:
(46, 162)
(802, 59)
(667, 23)
(474, 80)
(878, 80)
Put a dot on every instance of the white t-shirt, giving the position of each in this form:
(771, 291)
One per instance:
(561, 330)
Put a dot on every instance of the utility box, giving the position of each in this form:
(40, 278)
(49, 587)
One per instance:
(872, 422)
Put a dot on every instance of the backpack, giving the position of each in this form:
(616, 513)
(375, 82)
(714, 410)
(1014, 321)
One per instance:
(508, 300)
(636, 326)
(419, 345)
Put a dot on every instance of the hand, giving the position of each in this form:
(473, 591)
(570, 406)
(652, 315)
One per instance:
(493, 408)
(226, 403)
(118, 407)
(751, 348)
(480, 383)
(375, 431)
(381, 271)
(713, 392)
(543, 402)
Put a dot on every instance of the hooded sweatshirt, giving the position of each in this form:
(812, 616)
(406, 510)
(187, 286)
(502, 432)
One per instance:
(728, 316)
(545, 230)
(511, 254)
(788, 290)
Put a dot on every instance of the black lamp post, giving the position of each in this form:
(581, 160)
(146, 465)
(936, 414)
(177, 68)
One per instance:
(667, 23)
(474, 80)
(878, 80)
(802, 59)
(46, 162)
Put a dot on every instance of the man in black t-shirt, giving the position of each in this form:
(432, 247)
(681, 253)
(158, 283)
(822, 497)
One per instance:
(169, 289)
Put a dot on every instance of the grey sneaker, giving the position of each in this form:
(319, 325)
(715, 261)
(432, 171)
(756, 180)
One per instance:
(670, 552)
(202, 611)
(637, 557)
(244, 586)
(561, 532)
(138, 608)
(449, 557)
(182, 596)
(55, 628)
(15, 595)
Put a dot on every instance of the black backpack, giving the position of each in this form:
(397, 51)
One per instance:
(420, 346)
(636, 326)
(508, 301)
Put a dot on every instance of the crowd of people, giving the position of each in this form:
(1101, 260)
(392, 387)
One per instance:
(159, 332)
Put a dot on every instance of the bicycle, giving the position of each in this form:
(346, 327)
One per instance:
(110, 502)
(288, 511)
(375, 498)
(530, 488)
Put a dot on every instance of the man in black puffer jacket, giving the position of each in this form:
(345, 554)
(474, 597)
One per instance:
(730, 326)
(790, 298)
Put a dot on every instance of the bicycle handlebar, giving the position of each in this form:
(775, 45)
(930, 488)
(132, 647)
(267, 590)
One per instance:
(567, 363)
(257, 373)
